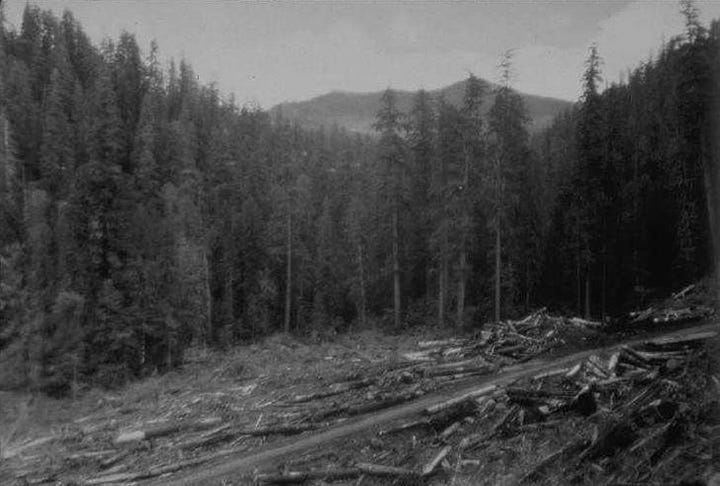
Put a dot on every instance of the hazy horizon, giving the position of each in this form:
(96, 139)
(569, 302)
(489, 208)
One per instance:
(282, 51)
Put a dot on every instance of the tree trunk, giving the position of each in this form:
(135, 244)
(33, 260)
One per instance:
(208, 296)
(527, 287)
(461, 288)
(443, 273)
(396, 266)
(361, 272)
(603, 297)
(578, 284)
(462, 278)
(229, 302)
(498, 261)
(587, 294)
(288, 275)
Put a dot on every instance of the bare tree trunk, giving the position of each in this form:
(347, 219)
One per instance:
(443, 273)
(578, 283)
(527, 287)
(462, 278)
(461, 288)
(587, 294)
(396, 266)
(288, 275)
(498, 263)
(604, 286)
(441, 292)
(361, 271)
(208, 296)
(229, 301)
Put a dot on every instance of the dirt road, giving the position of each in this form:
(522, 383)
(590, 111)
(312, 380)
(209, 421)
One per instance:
(232, 467)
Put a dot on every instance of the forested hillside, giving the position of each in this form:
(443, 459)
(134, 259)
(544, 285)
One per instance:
(142, 212)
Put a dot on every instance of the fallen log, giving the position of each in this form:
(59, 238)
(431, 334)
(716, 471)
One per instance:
(551, 373)
(683, 292)
(577, 321)
(441, 343)
(334, 390)
(380, 470)
(450, 430)
(111, 461)
(165, 430)
(454, 401)
(352, 410)
(294, 477)
(459, 371)
(280, 429)
(472, 442)
(209, 438)
(406, 426)
(473, 362)
(430, 467)
(150, 473)
(698, 336)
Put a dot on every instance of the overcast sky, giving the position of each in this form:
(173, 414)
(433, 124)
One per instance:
(268, 52)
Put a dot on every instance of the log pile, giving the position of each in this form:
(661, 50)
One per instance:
(633, 401)
(684, 306)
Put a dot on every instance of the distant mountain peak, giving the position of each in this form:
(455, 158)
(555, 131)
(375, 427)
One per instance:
(356, 111)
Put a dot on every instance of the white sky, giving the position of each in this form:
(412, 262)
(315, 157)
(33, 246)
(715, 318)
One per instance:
(268, 52)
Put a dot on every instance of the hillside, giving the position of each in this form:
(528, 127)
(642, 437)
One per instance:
(356, 111)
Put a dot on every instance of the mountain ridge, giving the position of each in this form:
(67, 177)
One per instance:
(355, 111)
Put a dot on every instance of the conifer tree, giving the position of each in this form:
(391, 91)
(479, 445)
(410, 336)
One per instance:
(392, 158)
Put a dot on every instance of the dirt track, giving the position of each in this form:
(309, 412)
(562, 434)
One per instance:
(233, 466)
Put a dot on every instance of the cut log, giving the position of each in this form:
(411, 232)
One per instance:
(418, 356)
(295, 477)
(585, 323)
(280, 429)
(209, 438)
(336, 389)
(574, 370)
(440, 343)
(165, 430)
(430, 467)
(406, 426)
(640, 316)
(551, 373)
(111, 461)
(380, 470)
(473, 362)
(698, 336)
(472, 442)
(454, 401)
(112, 478)
(353, 410)
(683, 292)
(450, 430)
(474, 370)
(82, 456)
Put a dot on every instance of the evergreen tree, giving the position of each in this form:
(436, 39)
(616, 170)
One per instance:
(393, 159)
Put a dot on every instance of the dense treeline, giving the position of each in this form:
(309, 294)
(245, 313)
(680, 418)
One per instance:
(143, 212)
(631, 218)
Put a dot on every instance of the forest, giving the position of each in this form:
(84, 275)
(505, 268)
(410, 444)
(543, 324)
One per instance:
(142, 212)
